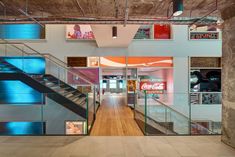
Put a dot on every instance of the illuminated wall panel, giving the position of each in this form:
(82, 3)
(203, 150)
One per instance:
(22, 128)
(22, 31)
(16, 92)
(150, 61)
(30, 65)
(113, 61)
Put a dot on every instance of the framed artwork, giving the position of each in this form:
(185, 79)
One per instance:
(79, 32)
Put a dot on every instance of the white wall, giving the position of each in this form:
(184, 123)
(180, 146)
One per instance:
(179, 46)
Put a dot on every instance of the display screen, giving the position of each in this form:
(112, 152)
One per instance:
(30, 65)
(79, 32)
(22, 128)
(18, 93)
(22, 31)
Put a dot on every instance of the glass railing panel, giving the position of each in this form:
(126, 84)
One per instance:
(97, 97)
(90, 105)
(27, 113)
(161, 114)
(55, 67)
(60, 120)
(206, 113)
(139, 110)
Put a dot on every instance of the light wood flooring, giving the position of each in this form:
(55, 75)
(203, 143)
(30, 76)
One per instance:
(114, 118)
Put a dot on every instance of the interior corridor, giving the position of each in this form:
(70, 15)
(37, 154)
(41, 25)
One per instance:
(114, 118)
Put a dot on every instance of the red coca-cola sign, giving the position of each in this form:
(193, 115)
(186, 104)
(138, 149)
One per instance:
(152, 86)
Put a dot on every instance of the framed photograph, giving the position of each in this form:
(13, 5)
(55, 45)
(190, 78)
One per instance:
(79, 32)
(74, 127)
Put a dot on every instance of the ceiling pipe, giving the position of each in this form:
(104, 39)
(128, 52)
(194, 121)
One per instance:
(4, 9)
(26, 6)
(126, 13)
(203, 17)
(175, 20)
(168, 10)
(116, 8)
(80, 7)
(26, 14)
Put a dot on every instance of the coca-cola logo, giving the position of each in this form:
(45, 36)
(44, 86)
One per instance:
(152, 86)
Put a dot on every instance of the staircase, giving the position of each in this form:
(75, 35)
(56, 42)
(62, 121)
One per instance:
(52, 84)
(64, 94)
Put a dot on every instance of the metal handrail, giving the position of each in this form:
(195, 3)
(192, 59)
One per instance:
(183, 115)
(188, 119)
(40, 54)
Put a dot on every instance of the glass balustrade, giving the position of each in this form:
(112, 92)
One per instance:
(173, 114)
(53, 73)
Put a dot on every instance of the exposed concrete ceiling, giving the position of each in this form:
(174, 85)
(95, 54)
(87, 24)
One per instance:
(69, 10)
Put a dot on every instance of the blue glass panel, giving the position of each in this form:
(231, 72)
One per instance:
(22, 128)
(17, 92)
(20, 31)
(30, 65)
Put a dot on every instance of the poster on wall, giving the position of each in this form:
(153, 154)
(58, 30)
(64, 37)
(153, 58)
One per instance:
(131, 85)
(205, 80)
(144, 32)
(90, 74)
(79, 32)
(74, 128)
(162, 31)
(93, 62)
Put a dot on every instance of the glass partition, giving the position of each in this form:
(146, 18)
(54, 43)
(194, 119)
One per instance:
(41, 118)
(172, 114)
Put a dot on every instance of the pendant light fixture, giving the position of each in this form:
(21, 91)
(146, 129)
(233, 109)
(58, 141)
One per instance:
(178, 7)
(114, 32)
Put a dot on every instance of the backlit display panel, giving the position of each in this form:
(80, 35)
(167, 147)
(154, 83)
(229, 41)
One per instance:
(22, 31)
(30, 65)
(18, 93)
(22, 128)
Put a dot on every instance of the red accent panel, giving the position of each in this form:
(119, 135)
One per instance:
(162, 32)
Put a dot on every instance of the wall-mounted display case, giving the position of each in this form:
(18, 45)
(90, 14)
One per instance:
(205, 80)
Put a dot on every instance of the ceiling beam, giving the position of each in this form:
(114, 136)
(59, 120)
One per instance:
(80, 7)
(26, 14)
(126, 13)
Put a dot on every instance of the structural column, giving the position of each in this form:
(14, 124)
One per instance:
(228, 75)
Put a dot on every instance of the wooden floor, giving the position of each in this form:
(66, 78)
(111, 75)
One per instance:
(114, 118)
